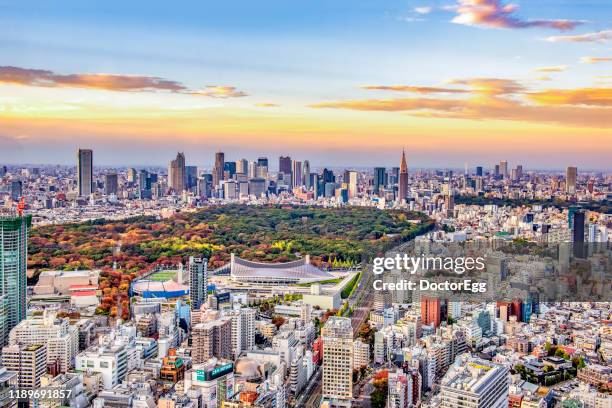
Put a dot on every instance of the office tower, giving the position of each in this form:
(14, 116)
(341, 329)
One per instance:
(132, 175)
(337, 336)
(198, 281)
(14, 230)
(519, 172)
(212, 338)
(503, 168)
(328, 176)
(578, 234)
(306, 174)
(284, 164)
(252, 170)
(257, 187)
(479, 171)
(403, 178)
(262, 167)
(296, 173)
(144, 184)
(475, 383)
(496, 171)
(28, 361)
(352, 184)
(60, 338)
(430, 311)
(111, 185)
(243, 330)
(218, 169)
(85, 172)
(242, 166)
(16, 190)
(571, 174)
(191, 177)
(380, 179)
(176, 174)
(230, 167)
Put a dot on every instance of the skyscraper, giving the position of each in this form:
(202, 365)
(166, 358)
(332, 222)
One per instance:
(284, 164)
(85, 172)
(578, 234)
(503, 168)
(306, 174)
(479, 171)
(14, 230)
(352, 183)
(403, 178)
(198, 281)
(242, 166)
(176, 174)
(337, 335)
(380, 179)
(111, 184)
(296, 173)
(571, 174)
(218, 169)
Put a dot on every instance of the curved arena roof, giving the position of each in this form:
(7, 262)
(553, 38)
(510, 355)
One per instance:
(300, 270)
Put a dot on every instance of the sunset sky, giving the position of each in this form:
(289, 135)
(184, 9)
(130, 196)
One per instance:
(338, 82)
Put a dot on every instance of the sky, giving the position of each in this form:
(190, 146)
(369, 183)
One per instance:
(337, 82)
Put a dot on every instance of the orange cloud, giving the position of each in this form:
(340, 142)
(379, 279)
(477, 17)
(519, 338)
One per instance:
(109, 82)
(414, 89)
(558, 68)
(495, 98)
(44, 78)
(221, 92)
(599, 36)
(267, 105)
(495, 14)
(595, 60)
(581, 96)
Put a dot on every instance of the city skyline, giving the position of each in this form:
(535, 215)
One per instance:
(452, 82)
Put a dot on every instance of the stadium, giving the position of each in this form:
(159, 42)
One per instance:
(295, 272)
(161, 283)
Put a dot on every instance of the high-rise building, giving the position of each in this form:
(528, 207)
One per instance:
(296, 173)
(479, 171)
(16, 190)
(571, 174)
(61, 339)
(85, 172)
(132, 175)
(243, 330)
(14, 230)
(503, 168)
(111, 185)
(198, 281)
(380, 180)
(242, 166)
(210, 339)
(403, 178)
(578, 234)
(218, 170)
(352, 183)
(306, 174)
(475, 383)
(176, 174)
(430, 311)
(29, 361)
(337, 335)
(191, 177)
(284, 164)
(230, 167)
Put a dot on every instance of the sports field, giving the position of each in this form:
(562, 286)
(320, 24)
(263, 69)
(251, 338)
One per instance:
(162, 276)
